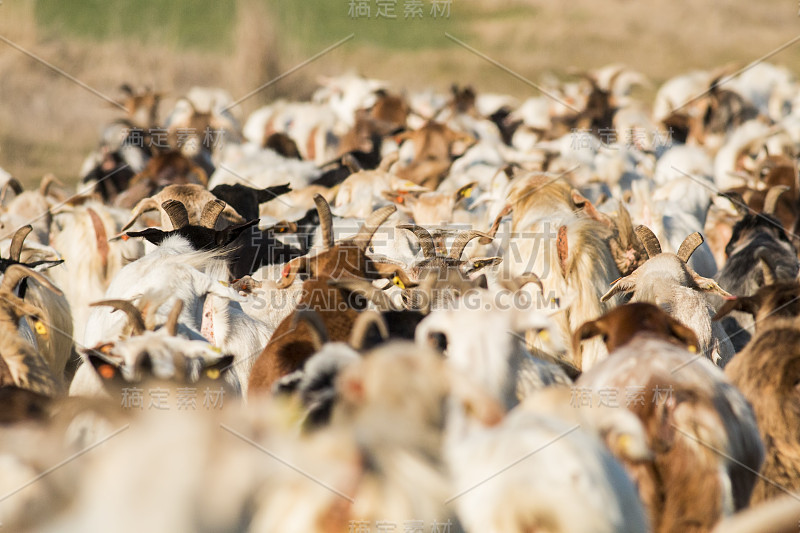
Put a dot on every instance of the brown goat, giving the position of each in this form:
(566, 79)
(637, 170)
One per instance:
(620, 325)
(700, 428)
(291, 345)
(767, 372)
(433, 153)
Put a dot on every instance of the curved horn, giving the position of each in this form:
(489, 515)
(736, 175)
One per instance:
(518, 282)
(773, 195)
(463, 240)
(319, 333)
(47, 182)
(371, 225)
(211, 212)
(649, 240)
(766, 269)
(325, 220)
(425, 239)
(16, 273)
(135, 317)
(171, 325)
(145, 205)
(689, 245)
(16, 242)
(361, 327)
(14, 185)
(351, 163)
(177, 213)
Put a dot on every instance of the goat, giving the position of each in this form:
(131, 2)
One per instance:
(193, 197)
(667, 281)
(767, 372)
(158, 354)
(701, 429)
(21, 365)
(622, 324)
(289, 346)
(759, 254)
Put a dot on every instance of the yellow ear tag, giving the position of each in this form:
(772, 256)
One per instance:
(624, 442)
(212, 373)
(40, 328)
(692, 349)
(544, 335)
(224, 283)
(397, 281)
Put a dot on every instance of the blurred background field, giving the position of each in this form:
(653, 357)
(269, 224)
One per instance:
(48, 124)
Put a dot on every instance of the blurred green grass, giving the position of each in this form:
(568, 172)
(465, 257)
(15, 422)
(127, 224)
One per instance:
(204, 25)
(209, 25)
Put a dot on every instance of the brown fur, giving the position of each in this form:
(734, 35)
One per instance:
(433, 153)
(780, 300)
(291, 345)
(623, 323)
(767, 372)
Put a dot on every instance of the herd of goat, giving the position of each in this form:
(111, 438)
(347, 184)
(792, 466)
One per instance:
(410, 311)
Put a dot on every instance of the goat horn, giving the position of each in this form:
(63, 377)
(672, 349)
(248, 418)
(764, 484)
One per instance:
(16, 273)
(16, 242)
(649, 240)
(371, 225)
(211, 212)
(766, 269)
(361, 326)
(773, 195)
(135, 317)
(177, 213)
(425, 239)
(463, 240)
(319, 333)
(325, 220)
(47, 182)
(171, 325)
(689, 245)
(518, 282)
(351, 163)
(14, 185)
(365, 288)
(145, 205)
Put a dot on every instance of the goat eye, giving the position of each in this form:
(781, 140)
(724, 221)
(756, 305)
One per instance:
(106, 371)
(397, 281)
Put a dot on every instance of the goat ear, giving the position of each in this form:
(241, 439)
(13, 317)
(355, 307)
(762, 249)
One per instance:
(153, 235)
(745, 304)
(623, 285)
(465, 192)
(394, 272)
(581, 202)
(562, 248)
(270, 193)
(588, 330)
(709, 285)
(684, 334)
(290, 271)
